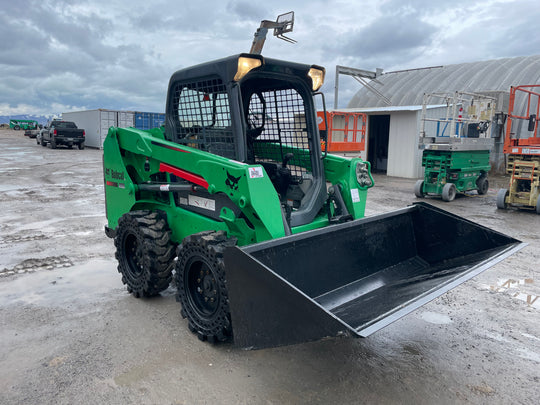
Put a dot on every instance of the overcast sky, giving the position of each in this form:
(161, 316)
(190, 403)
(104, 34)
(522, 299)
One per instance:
(69, 55)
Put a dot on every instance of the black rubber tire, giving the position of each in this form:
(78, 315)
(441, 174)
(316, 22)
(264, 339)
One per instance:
(419, 189)
(81, 146)
(501, 197)
(538, 205)
(202, 287)
(16, 127)
(145, 252)
(449, 192)
(53, 143)
(43, 143)
(483, 185)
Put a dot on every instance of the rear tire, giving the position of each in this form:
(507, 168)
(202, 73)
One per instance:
(145, 252)
(483, 185)
(81, 146)
(16, 127)
(501, 199)
(419, 189)
(53, 143)
(43, 143)
(449, 192)
(202, 287)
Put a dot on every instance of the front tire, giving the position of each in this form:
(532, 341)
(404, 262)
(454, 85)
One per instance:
(201, 285)
(145, 252)
(449, 192)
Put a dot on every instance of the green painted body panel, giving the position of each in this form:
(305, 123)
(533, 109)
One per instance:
(133, 157)
(342, 171)
(463, 168)
(319, 222)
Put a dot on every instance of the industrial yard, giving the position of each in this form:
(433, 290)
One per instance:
(72, 334)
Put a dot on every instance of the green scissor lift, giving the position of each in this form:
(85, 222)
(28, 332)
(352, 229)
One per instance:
(448, 172)
(459, 161)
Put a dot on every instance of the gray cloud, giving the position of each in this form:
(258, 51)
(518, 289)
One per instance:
(385, 40)
(119, 54)
(248, 10)
(389, 35)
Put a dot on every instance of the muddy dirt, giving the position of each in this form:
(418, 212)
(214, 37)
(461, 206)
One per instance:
(71, 334)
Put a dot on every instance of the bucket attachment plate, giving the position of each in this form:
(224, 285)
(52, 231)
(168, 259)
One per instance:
(354, 278)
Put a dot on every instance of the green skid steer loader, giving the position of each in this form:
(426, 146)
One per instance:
(263, 233)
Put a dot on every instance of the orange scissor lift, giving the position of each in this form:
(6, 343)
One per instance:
(522, 145)
(346, 131)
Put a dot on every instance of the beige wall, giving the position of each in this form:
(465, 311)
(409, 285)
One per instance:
(404, 157)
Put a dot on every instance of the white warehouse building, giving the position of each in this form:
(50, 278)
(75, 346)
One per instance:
(393, 130)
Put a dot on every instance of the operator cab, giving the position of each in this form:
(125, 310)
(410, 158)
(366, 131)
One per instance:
(261, 115)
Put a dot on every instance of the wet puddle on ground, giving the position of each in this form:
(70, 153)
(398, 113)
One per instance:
(59, 287)
(435, 318)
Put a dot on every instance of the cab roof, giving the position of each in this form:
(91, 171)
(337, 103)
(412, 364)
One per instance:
(226, 69)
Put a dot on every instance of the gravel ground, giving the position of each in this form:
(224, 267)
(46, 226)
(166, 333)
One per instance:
(71, 334)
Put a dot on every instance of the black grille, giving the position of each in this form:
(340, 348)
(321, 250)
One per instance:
(204, 118)
(284, 127)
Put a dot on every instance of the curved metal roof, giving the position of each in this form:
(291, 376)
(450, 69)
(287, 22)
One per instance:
(405, 88)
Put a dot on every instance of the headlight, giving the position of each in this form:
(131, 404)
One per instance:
(362, 175)
(245, 65)
(317, 77)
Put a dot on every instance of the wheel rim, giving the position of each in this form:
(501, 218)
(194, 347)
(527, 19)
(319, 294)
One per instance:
(133, 255)
(202, 287)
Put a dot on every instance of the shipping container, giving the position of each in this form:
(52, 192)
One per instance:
(148, 120)
(96, 123)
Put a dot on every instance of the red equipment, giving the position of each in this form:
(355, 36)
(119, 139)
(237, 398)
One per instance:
(346, 131)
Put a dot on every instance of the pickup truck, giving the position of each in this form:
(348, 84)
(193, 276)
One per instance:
(58, 132)
(32, 133)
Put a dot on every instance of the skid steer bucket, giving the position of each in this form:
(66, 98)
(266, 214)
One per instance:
(354, 278)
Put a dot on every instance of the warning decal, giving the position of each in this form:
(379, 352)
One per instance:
(256, 172)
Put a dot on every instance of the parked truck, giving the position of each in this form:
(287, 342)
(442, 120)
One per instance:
(262, 233)
(58, 132)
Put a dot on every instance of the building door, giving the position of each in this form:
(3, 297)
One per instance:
(378, 134)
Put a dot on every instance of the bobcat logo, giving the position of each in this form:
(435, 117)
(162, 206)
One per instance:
(232, 182)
